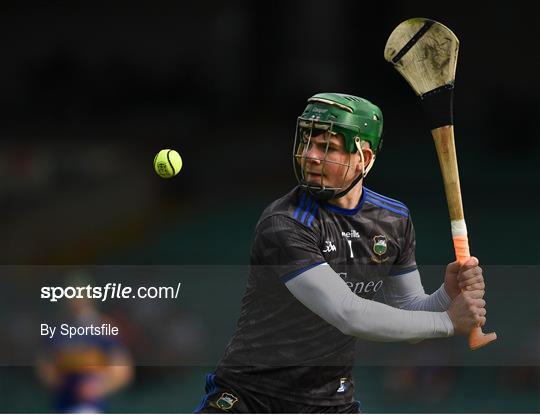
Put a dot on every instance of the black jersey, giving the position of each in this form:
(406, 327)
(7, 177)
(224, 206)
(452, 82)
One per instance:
(280, 347)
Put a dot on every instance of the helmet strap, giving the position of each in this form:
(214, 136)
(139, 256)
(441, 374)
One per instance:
(365, 170)
(362, 174)
(348, 189)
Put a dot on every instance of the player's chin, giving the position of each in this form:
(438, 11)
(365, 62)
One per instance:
(314, 179)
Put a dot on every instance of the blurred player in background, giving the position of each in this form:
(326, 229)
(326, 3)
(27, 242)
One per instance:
(83, 371)
(320, 255)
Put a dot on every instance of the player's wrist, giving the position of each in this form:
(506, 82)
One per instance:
(448, 323)
(445, 296)
(450, 290)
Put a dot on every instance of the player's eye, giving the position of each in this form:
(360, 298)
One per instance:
(316, 132)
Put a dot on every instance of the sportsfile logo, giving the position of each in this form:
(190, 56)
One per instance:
(110, 291)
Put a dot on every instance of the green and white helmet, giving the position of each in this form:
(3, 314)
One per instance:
(354, 118)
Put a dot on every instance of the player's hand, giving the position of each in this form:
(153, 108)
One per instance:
(470, 277)
(468, 311)
(451, 283)
(466, 277)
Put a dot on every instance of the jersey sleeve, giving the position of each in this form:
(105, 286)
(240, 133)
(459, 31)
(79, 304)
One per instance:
(285, 248)
(406, 260)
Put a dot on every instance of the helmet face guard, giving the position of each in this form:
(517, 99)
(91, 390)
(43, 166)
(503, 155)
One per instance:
(351, 118)
(303, 143)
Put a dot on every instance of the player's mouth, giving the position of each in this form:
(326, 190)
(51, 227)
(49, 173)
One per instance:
(313, 176)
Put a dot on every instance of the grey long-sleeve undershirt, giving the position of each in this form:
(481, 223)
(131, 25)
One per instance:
(324, 292)
(406, 292)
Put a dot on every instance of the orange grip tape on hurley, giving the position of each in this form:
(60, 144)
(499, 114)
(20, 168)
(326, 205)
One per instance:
(477, 338)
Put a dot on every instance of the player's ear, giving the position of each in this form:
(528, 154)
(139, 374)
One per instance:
(368, 156)
(365, 156)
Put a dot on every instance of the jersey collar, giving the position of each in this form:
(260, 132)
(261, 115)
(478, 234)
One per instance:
(343, 211)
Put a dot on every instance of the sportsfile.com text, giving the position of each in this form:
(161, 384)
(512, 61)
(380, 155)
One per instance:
(109, 291)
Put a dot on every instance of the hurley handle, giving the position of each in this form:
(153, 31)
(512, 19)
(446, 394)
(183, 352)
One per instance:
(446, 152)
(477, 338)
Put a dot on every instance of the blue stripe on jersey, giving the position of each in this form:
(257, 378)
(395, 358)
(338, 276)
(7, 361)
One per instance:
(390, 208)
(211, 388)
(286, 278)
(310, 204)
(384, 199)
(313, 212)
(300, 206)
(403, 272)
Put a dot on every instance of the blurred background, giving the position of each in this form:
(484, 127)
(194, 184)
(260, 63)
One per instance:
(90, 93)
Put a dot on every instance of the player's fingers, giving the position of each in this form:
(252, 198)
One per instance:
(467, 274)
(472, 286)
(482, 321)
(479, 302)
(464, 283)
(474, 295)
(480, 286)
(482, 312)
(464, 279)
(478, 318)
(471, 263)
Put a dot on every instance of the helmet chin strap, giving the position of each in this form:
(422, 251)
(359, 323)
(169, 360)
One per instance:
(362, 174)
(319, 193)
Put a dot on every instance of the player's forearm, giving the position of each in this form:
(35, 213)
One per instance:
(375, 321)
(326, 294)
(406, 292)
(438, 301)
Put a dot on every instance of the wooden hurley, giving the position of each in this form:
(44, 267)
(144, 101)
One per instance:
(425, 53)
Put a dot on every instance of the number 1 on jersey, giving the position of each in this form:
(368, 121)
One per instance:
(350, 247)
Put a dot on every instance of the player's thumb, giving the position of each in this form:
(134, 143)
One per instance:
(453, 267)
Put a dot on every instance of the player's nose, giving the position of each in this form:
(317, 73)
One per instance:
(314, 154)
